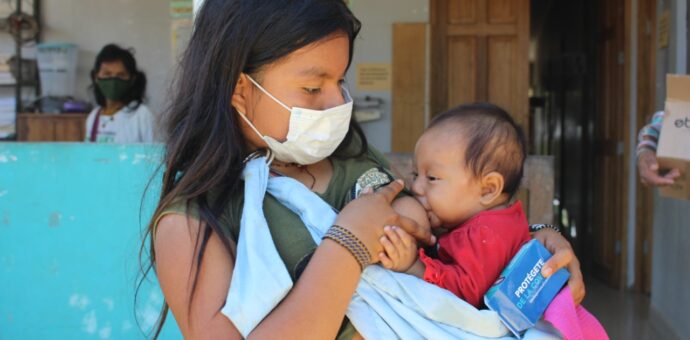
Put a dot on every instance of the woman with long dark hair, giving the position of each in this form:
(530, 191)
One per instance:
(119, 88)
(262, 80)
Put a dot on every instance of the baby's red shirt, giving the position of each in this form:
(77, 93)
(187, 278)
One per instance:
(471, 256)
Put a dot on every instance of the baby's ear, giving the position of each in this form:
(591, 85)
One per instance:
(492, 188)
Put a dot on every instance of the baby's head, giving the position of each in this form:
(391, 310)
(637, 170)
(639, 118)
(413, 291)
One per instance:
(469, 160)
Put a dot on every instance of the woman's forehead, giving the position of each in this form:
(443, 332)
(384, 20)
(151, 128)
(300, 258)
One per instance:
(113, 66)
(326, 58)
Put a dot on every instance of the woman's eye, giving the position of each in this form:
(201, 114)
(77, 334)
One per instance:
(414, 174)
(431, 178)
(312, 90)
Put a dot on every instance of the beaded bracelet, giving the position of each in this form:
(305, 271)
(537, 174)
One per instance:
(536, 227)
(350, 242)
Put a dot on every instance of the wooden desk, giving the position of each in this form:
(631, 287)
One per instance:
(63, 127)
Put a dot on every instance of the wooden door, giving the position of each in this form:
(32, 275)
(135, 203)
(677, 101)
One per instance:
(611, 133)
(409, 85)
(646, 78)
(480, 52)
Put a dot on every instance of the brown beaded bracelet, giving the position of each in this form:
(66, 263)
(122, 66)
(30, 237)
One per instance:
(349, 241)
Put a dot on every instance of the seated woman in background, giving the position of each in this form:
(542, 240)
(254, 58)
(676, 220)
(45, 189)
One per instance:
(119, 87)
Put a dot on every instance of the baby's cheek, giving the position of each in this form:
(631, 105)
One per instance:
(439, 211)
(449, 212)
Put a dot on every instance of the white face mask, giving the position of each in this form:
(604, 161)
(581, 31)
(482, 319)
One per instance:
(312, 135)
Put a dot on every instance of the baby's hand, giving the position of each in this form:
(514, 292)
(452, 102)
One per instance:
(400, 249)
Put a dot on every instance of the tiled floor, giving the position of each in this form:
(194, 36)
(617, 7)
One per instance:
(625, 315)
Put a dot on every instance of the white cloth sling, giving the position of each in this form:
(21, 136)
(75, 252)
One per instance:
(386, 304)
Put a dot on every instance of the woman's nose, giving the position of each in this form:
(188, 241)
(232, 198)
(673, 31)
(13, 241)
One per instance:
(337, 98)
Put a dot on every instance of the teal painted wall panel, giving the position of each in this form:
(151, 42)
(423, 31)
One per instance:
(70, 230)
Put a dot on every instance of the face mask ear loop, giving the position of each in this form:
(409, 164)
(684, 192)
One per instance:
(266, 92)
(270, 156)
(346, 94)
(250, 124)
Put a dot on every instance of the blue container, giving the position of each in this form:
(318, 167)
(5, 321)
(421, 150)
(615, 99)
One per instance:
(521, 294)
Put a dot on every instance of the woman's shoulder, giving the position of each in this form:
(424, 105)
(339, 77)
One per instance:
(93, 113)
(367, 154)
(377, 156)
(230, 217)
(174, 215)
(95, 110)
(353, 174)
(137, 108)
(368, 158)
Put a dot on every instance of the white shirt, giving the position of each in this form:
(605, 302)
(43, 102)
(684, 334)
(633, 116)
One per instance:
(125, 126)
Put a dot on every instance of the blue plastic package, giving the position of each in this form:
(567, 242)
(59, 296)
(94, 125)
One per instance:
(521, 294)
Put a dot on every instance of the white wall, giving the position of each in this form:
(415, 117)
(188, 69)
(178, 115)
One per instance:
(375, 45)
(141, 24)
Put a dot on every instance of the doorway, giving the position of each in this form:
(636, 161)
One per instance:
(562, 69)
(563, 78)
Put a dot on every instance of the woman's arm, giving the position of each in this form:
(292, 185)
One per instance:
(648, 167)
(647, 164)
(563, 256)
(175, 244)
(315, 306)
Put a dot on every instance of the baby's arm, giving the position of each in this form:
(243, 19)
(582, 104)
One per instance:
(401, 248)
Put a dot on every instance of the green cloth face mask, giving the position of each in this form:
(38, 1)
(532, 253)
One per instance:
(113, 88)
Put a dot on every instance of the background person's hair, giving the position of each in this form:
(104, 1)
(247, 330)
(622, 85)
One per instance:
(109, 53)
(494, 141)
(205, 147)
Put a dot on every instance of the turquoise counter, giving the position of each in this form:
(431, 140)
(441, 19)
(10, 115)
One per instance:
(71, 219)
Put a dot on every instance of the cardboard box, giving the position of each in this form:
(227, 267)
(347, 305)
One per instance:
(521, 294)
(674, 140)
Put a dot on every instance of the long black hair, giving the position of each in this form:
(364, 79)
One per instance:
(205, 147)
(112, 52)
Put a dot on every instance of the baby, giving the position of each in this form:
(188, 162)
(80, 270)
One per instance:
(469, 164)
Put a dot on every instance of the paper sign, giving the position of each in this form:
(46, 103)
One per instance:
(181, 9)
(373, 77)
(664, 25)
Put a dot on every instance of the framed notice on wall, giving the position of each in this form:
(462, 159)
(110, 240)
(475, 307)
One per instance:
(664, 25)
(374, 77)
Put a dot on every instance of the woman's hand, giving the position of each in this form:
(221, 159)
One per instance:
(563, 256)
(648, 167)
(367, 215)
